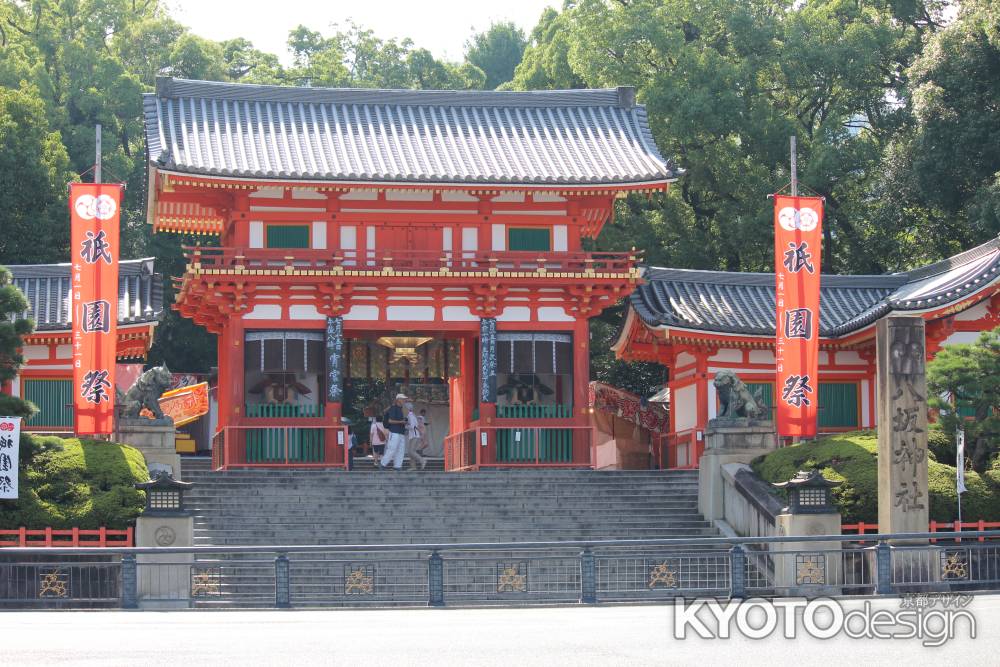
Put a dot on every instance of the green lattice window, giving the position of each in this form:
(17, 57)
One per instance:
(766, 392)
(838, 404)
(288, 236)
(53, 398)
(528, 238)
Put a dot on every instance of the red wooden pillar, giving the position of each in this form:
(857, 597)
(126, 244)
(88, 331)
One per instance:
(581, 388)
(234, 362)
(469, 376)
(701, 373)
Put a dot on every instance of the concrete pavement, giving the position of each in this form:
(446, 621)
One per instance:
(620, 635)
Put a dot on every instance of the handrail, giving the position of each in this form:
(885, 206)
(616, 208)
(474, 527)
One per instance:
(498, 546)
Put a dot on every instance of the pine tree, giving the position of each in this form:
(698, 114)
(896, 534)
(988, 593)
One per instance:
(12, 328)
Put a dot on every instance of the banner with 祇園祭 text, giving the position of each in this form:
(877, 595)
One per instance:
(798, 234)
(10, 439)
(94, 214)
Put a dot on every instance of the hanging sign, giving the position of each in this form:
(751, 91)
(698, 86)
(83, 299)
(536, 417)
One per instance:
(334, 359)
(488, 360)
(94, 215)
(960, 462)
(798, 224)
(10, 438)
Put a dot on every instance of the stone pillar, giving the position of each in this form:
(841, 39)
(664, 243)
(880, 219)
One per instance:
(807, 569)
(738, 440)
(164, 580)
(902, 426)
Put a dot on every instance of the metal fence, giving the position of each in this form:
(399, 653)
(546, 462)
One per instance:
(499, 573)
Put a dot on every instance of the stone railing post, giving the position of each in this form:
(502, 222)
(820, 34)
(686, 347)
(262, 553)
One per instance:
(282, 586)
(435, 580)
(588, 577)
(130, 584)
(883, 569)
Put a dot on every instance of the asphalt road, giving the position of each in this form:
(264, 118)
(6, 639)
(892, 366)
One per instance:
(628, 635)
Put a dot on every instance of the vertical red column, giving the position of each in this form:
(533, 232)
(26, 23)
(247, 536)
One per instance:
(701, 373)
(582, 450)
(234, 362)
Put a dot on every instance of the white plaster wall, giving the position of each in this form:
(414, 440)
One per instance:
(256, 234)
(850, 357)
(515, 314)
(64, 351)
(319, 235)
(417, 313)
(35, 351)
(268, 193)
(446, 238)
(553, 314)
(866, 409)
(362, 313)
(305, 312)
(306, 193)
(458, 314)
(962, 337)
(560, 238)
(728, 355)
(264, 312)
(683, 402)
(713, 409)
(761, 357)
(470, 239)
(499, 237)
(978, 311)
(683, 359)
(348, 237)
(824, 358)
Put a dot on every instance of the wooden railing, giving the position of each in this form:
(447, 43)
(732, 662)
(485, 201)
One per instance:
(282, 410)
(67, 537)
(862, 528)
(280, 447)
(409, 260)
(521, 447)
(534, 411)
(684, 449)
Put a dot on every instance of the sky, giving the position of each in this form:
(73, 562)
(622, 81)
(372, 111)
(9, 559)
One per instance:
(441, 26)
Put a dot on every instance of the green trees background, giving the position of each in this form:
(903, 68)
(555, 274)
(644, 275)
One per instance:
(895, 103)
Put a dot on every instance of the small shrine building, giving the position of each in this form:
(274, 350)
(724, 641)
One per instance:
(46, 379)
(697, 323)
(361, 243)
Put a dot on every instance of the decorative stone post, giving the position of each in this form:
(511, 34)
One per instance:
(807, 568)
(164, 580)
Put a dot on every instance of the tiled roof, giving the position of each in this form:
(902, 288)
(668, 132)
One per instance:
(744, 303)
(46, 286)
(570, 137)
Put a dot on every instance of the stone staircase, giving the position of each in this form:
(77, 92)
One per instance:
(369, 507)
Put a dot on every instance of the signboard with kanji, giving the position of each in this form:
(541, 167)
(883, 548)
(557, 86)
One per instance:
(798, 224)
(94, 215)
(10, 438)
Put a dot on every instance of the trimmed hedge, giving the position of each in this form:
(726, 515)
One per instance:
(852, 458)
(68, 483)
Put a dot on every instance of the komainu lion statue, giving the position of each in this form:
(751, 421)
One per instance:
(145, 393)
(736, 399)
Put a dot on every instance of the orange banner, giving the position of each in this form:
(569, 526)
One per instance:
(798, 237)
(94, 215)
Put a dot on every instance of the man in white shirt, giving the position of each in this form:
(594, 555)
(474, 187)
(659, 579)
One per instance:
(413, 439)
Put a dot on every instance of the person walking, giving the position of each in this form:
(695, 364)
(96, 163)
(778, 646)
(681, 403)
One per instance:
(413, 439)
(377, 436)
(395, 421)
(425, 425)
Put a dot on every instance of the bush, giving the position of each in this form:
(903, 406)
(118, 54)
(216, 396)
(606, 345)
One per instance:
(71, 482)
(852, 459)
(940, 445)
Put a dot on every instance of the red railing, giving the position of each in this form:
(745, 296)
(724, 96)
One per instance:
(862, 528)
(410, 260)
(521, 447)
(280, 446)
(68, 537)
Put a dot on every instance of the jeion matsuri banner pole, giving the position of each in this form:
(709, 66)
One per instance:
(94, 216)
(798, 234)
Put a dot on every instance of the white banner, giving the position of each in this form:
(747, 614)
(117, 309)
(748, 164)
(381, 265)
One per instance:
(960, 461)
(10, 438)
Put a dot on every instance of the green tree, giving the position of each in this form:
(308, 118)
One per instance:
(34, 171)
(12, 328)
(966, 376)
(545, 62)
(497, 52)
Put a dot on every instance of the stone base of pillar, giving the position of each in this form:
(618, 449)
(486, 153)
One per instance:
(729, 441)
(155, 439)
(807, 569)
(164, 580)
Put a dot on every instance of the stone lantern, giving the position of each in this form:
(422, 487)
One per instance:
(164, 495)
(809, 493)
